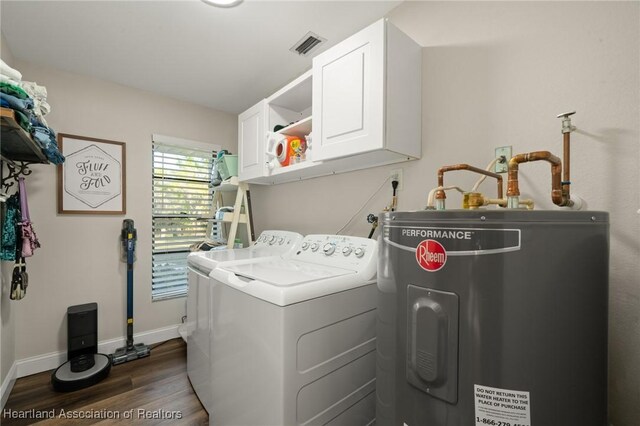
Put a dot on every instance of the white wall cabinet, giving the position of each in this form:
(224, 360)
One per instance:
(367, 97)
(361, 100)
(347, 95)
(251, 143)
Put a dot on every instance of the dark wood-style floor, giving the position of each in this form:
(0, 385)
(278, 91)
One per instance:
(156, 386)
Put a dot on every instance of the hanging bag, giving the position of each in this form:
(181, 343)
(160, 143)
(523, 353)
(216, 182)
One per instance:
(29, 238)
(9, 227)
(19, 279)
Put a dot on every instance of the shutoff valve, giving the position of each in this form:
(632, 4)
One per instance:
(566, 122)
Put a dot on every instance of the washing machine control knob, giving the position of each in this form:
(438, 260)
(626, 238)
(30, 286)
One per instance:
(281, 240)
(305, 245)
(359, 252)
(329, 249)
(347, 251)
(315, 246)
(272, 240)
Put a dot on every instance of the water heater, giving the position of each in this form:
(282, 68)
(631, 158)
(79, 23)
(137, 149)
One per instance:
(494, 317)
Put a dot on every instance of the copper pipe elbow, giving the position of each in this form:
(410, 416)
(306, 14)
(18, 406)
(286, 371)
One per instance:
(454, 167)
(513, 189)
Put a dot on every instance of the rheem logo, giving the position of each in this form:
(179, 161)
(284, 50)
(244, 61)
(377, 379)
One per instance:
(430, 255)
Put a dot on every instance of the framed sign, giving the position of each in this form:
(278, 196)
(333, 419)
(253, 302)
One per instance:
(92, 180)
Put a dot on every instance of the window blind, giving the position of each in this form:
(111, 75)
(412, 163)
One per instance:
(181, 195)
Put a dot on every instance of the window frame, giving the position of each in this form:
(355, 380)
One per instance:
(166, 262)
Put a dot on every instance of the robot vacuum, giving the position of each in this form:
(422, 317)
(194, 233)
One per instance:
(84, 366)
(81, 372)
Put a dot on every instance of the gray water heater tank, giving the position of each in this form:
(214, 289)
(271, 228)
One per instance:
(494, 318)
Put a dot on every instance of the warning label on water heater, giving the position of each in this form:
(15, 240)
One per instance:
(501, 407)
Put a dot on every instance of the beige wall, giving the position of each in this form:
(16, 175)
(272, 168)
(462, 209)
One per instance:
(79, 259)
(497, 74)
(7, 327)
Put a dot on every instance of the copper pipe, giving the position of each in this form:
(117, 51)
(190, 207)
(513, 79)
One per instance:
(476, 200)
(567, 128)
(513, 189)
(440, 195)
(566, 175)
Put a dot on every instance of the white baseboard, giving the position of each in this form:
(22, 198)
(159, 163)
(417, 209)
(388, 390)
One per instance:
(39, 363)
(7, 385)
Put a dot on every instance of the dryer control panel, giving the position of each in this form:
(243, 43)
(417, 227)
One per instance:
(342, 251)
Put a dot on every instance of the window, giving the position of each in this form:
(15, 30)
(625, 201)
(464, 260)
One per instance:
(181, 195)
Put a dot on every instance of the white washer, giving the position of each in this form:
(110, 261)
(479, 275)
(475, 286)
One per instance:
(200, 304)
(269, 243)
(293, 342)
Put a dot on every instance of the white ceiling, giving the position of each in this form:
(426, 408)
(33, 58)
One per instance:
(223, 58)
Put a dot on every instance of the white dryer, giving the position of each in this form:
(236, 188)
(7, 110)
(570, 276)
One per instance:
(200, 304)
(293, 342)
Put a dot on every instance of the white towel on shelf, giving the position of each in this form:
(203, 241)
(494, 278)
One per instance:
(12, 73)
(39, 95)
(36, 92)
(5, 79)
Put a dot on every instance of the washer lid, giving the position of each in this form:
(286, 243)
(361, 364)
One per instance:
(269, 243)
(285, 273)
(208, 260)
(284, 281)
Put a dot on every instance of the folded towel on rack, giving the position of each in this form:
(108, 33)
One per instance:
(24, 120)
(23, 105)
(34, 91)
(46, 138)
(39, 95)
(13, 90)
(38, 121)
(9, 80)
(12, 73)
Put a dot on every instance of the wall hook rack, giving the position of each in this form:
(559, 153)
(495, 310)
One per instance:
(15, 169)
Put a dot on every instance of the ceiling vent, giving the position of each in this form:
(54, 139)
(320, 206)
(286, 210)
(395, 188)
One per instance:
(307, 44)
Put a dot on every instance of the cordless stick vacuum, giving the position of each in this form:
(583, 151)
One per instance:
(130, 352)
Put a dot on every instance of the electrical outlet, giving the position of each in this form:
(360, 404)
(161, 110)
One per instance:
(396, 174)
(502, 165)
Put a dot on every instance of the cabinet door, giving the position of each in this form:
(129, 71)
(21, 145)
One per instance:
(251, 142)
(348, 95)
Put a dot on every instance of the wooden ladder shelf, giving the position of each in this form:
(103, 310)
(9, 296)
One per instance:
(241, 209)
